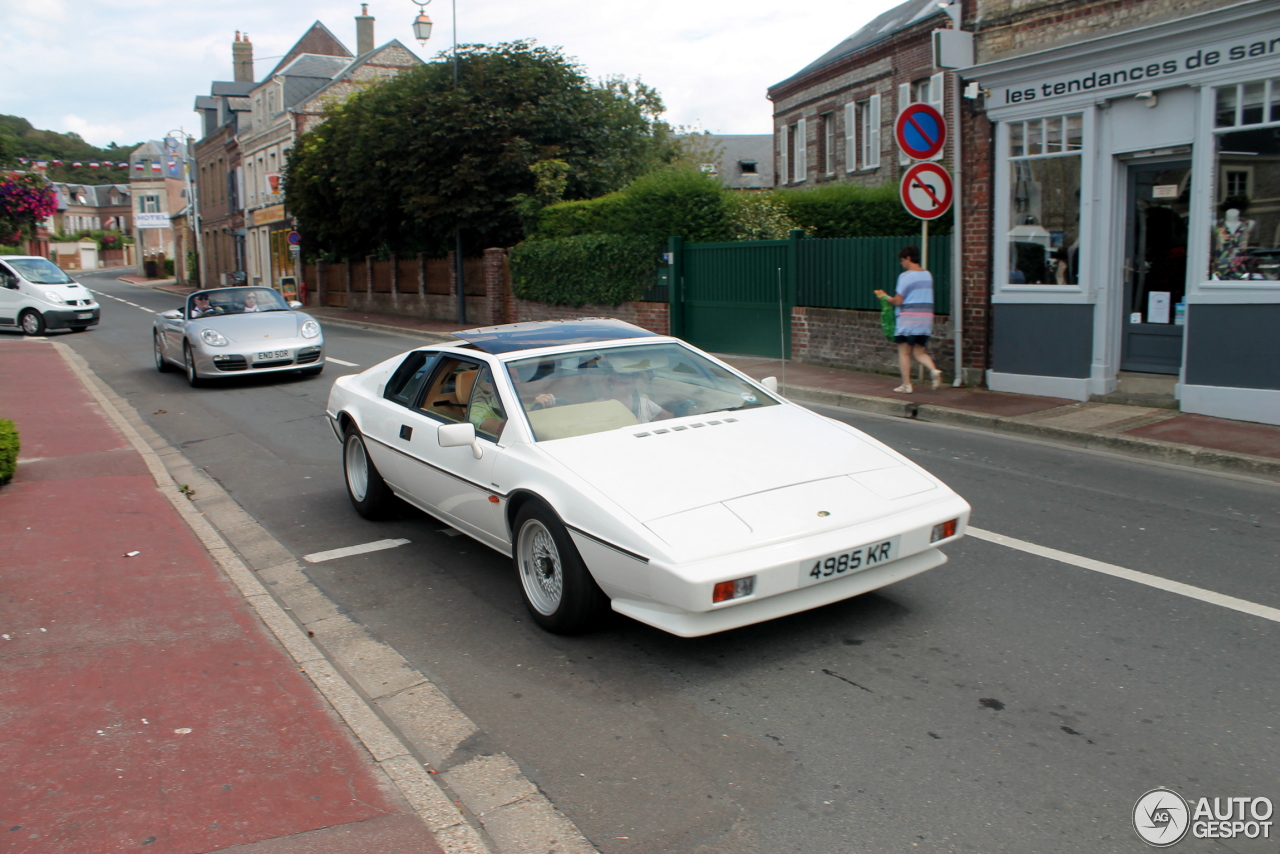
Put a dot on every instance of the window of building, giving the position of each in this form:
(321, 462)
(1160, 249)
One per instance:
(1245, 235)
(828, 139)
(1044, 204)
(862, 134)
(148, 204)
(920, 91)
(794, 153)
(748, 167)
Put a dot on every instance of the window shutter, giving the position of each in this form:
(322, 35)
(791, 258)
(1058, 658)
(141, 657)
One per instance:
(937, 100)
(873, 138)
(802, 151)
(784, 176)
(904, 98)
(850, 138)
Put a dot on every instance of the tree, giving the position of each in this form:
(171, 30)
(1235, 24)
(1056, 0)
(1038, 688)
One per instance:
(402, 164)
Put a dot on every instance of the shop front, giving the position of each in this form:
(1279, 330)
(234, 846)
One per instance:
(1137, 213)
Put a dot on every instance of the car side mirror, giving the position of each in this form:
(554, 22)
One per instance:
(293, 303)
(172, 314)
(771, 383)
(458, 436)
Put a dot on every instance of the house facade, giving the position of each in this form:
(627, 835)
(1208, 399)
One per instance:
(93, 207)
(1115, 169)
(157, 186)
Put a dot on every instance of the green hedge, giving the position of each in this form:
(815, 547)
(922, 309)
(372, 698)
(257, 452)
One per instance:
(602, 269)
(8, 450)
(850, 210)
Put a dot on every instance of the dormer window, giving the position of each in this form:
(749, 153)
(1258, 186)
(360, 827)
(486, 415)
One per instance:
(748, 167)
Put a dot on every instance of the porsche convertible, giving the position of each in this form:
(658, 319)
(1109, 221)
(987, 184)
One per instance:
(236, 331)
(620, 468)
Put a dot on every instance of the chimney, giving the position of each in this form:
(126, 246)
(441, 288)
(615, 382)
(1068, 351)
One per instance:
(364, 31)
(242, 59)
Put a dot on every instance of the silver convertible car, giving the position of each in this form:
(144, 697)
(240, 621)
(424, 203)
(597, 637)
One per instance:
(623, 469)
(236, 331)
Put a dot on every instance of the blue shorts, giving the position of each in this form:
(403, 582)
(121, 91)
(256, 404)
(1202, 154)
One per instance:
(914, 340)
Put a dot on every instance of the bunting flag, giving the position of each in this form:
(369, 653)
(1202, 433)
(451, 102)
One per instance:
(155, 166)
(57, 163)
(138, 166)
(42, 165)
(93, 165)
(75, 165)
(124, 165)
(23, 161)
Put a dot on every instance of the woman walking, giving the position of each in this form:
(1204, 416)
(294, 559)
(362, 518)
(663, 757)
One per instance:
(914, 301)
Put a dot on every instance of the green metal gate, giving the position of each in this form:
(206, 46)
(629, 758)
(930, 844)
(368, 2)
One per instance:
(734, 297)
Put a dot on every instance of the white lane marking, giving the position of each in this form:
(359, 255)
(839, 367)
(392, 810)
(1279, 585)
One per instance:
(340, 362)
(353, 550)
(1209, 596)
(125, 301)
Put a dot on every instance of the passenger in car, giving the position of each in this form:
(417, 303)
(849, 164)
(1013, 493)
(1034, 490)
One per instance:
(485, 411)
(621, 378)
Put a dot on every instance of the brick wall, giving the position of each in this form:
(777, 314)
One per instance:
(653, 316)
(842, 338)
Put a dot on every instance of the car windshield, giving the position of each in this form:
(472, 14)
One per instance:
(234, 301)
(590, 391)
(40, 271)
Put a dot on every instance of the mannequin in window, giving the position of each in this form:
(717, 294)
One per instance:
(1231, 241)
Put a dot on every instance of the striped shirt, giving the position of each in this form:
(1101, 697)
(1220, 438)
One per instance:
(915, 315)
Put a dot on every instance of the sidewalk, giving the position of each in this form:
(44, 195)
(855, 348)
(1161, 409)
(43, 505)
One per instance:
(1163, 435)
(145, 703)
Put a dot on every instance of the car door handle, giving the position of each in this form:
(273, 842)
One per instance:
(406, 432)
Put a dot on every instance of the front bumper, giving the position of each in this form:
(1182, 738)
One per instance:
(66, 318)
(677, 598)
(220, 362)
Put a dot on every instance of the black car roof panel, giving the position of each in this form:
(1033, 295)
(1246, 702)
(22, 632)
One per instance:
(535, 335)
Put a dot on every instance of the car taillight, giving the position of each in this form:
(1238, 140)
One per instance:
(736, 589)
(946, 529)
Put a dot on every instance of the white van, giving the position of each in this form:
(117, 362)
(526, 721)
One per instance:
(36, 295)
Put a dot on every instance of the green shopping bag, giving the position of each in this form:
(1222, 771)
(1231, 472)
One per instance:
(888, 318)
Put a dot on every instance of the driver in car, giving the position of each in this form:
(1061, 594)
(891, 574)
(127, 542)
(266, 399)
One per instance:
(200, 305)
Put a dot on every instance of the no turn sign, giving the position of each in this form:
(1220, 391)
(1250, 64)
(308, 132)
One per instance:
(926, 191)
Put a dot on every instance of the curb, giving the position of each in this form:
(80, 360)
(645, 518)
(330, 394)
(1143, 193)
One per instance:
(1172, 453)
(482, 806)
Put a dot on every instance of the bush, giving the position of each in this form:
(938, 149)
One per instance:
(8, 450)
(602, 269)
(12, 250)
(168, 267)
(669, 202)
(850, 210)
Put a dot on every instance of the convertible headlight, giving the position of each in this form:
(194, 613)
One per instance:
(213, 338)
(310, 329)
(56, 299)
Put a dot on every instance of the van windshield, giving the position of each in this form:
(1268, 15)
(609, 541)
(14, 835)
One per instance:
(40, 271)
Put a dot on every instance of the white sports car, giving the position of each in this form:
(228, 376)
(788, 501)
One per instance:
(627, 469)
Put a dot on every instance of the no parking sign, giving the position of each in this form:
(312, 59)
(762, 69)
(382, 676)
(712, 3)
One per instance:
(921, 131)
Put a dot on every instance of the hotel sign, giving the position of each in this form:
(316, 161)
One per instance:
(269, 214)
(1155, 72)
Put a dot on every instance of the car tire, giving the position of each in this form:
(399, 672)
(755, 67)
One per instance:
(312, 372)
(368, 492)
(558, 590)
(157, 349)
(32, 322)
(189, 363)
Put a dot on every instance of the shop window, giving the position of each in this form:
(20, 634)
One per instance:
(1245, 235)
(1044, 204)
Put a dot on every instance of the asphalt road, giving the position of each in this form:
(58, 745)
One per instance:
(1003, 702)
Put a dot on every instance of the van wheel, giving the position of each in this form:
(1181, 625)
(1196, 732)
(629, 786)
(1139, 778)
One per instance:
(32, 322)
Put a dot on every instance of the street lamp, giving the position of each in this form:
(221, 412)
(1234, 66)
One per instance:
(422, 31)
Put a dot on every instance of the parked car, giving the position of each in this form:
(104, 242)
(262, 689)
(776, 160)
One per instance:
(35, 295)
(627, 469)
(237, 331)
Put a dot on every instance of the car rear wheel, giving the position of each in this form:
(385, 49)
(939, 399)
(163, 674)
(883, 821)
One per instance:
(368, 492)
(157, 348)
(559, 591)
(189, 362)
(32, 322)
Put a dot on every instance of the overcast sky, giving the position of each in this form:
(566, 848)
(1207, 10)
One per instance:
(128, 70)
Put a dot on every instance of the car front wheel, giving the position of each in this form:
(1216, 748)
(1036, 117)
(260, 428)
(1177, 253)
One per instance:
(368, 492)
(32, 322)
(559, 591)
(157, 347)
(189, 362)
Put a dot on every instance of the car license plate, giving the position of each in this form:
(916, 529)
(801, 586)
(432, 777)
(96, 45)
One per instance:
(83, 315)
(270, 355)
(849, 562)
